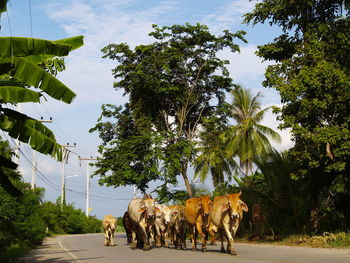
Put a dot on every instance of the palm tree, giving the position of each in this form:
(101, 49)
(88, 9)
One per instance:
(248, 138)
(212, 158)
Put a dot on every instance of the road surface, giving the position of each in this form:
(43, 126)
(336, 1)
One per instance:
(90, 248)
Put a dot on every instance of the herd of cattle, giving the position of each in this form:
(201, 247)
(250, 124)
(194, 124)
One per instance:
(147, 222)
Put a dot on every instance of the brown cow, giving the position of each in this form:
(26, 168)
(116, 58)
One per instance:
(225, 216)
(177, 226)
(108, 225)
(142, 214)
(127, 226)
(197, 217)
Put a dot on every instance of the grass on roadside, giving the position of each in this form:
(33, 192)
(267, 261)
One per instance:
(326, 240)
(13, 252)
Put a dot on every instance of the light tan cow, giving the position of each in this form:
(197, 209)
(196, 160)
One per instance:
(197, 217)
(108, 225)
(178, 225)
(142, 214)
(225, 217)
(162, 225)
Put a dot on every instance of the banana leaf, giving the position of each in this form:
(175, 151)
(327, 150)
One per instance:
(33, 75)
(73, 42)
(17, 94)
(25, 46)
(3, 6)
(28, 130)
(8, 186)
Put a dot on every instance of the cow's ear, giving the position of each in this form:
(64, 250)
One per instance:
(157, 210)
(174, 213)
(142, 209)
(243, 206)
(225, 207)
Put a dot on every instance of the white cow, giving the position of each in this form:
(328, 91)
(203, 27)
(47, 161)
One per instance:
(142, 214)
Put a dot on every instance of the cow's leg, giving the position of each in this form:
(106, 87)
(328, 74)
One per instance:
(183, 237)
(165, 234)
(230, 240)
(222, 241)
(112, 238)
(212, 236)
(106, 238)
(133, 239)
(158, 236)
(194, 234)
(144, 237)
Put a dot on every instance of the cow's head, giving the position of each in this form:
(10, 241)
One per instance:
(149, 209)
(112, 224)
(166, 215)
(235, 206)
(204, 208)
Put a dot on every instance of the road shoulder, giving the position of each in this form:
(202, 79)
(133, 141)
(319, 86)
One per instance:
(49, 251)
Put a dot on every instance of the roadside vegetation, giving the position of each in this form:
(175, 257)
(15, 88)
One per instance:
(178, 117)
(26, 220)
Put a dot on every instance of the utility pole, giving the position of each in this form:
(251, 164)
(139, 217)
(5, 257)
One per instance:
(35, 164)
(18, 143)
(65, 153)
(87, 181)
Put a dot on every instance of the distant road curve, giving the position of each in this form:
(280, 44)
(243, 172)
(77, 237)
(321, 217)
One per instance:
(90, 248)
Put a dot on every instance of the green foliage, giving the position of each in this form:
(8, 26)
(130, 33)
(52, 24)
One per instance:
(128, 153)
(171, 84)
(312, 76)
(211, 157)
(70, 220)
(248, 138)
(22, 66)
(20, 220)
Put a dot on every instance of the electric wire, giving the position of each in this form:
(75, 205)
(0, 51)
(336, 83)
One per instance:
(30, 18)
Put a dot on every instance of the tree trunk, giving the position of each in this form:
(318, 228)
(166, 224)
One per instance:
(187, 182)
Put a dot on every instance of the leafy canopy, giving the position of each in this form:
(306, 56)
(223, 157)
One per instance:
(172, 84)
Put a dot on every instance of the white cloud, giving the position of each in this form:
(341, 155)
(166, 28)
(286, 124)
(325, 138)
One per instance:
(271, 121)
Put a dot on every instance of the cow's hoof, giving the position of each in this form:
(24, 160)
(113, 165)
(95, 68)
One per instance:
(204, 249)
(213, 243)
(166, 246)
(194, 249)
(223, 250)
(233, 252)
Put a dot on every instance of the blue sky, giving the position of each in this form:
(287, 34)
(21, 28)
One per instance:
(114, 21)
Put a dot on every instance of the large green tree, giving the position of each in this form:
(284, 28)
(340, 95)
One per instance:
(248, 138)
(312, 75)
(23, 79)
(172, 84)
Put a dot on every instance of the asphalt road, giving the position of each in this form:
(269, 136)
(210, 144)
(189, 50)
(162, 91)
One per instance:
(90, 248)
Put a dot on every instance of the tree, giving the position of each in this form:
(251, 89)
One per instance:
(130, 155)
(171, 85)
(20, 69)
(312, 76)
(211, 157)
(248, 138)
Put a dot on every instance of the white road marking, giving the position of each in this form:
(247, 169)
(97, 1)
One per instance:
(75, 258)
